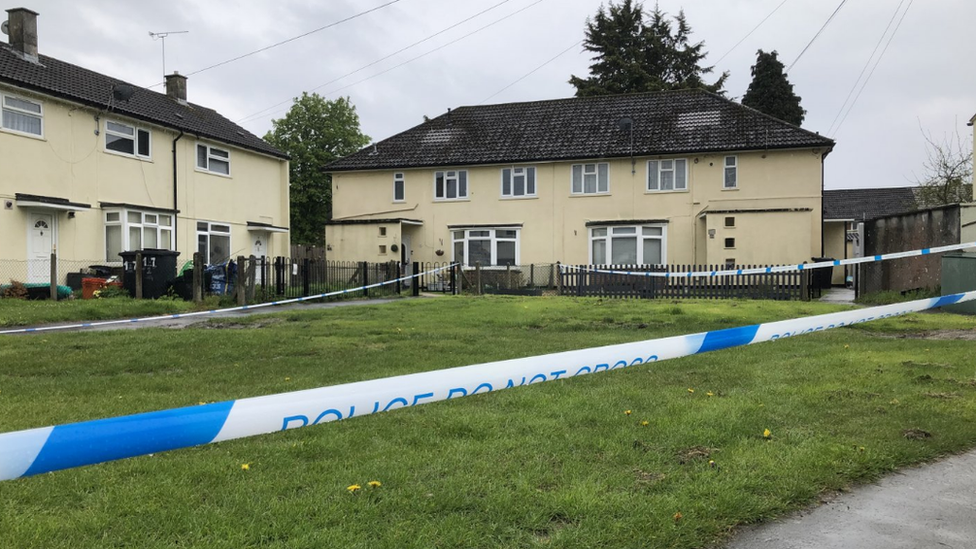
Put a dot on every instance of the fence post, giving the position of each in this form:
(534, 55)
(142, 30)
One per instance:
(241, 284)
(477, 269)
(454, 279)
(508, 276)
(559, 278)
(459, 278)
(197, 277)
(138, 273)
(306, 283)
(415, 284)
(251, 279)
(54, 275)
(804, 285)
(532, 275)
(365, 269)
(399, 275)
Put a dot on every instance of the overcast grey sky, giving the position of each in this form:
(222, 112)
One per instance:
(927, 77)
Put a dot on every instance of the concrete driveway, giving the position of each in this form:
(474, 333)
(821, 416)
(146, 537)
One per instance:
(932, 506)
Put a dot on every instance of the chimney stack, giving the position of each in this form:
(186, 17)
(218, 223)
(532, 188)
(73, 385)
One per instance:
(176, 87)
(22, 28)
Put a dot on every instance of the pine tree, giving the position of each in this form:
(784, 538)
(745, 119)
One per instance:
(636, 56)
(770, 92)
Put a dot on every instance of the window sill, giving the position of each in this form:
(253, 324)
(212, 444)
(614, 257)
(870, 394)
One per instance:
(23, 134)
(126, 155)
(527, 197)
(588, 195)
(208, 172)
(729, 189)
(679, 191)
(438, 200)
(399, 201)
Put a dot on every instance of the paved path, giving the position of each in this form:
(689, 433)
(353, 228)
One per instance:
(932, 506)
(843, 296)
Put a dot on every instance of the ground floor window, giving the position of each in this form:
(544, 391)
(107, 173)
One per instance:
(130, 230)
(213, 242)
(628, 245)
(491, 247)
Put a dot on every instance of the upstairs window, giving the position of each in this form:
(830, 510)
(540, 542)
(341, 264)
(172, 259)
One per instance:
(212, 159)
(22, 116)
(126, 139)
(667, 175)
(399, 192)
(518, 182)
(451, 185)
(731, 172)
(591, 178)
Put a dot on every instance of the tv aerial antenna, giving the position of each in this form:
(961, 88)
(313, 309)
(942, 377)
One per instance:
(161, 36)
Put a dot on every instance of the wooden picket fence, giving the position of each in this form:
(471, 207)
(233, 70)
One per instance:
(776, 286)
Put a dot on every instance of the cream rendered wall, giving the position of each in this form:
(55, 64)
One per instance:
(554, 222)
(836, 246)
(366, 239)
(71, 162)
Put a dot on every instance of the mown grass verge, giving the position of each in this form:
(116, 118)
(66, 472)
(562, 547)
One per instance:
(556, 464)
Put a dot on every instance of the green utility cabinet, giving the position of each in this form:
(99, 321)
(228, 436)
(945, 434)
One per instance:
(959, 275)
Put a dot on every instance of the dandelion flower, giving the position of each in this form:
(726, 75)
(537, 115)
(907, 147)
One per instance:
(354, 488)
(287, 379)
(860, 449)
(677, 516)
(767, 434)
(847, 346)
(690, 390)
(245, 467)
(375, 484)
(645, 423)
(711, 394)
(626, 412)
(894, 401)
(711, 463)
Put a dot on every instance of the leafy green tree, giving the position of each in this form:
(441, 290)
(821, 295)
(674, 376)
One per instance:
(770, 92)
(315, 132)
(638, 53)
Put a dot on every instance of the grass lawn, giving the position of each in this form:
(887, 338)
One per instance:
(19, 312)
(557, 464)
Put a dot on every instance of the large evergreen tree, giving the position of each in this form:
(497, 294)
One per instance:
(315, 132)
(770, 92)
(637, 53)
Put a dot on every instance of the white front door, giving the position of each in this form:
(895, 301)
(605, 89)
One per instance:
(40, 244)
(259, 249)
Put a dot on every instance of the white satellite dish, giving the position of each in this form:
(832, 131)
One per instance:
(3, 27)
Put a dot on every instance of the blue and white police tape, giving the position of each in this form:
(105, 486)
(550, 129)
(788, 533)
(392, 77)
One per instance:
(35, 451)
(778, 268)
(216, 311)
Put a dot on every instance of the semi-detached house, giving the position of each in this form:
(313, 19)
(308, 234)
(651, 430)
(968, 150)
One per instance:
(91, 166)
(677, 177)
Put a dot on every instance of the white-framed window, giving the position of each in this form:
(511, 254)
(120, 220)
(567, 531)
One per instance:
(213, 160)
(399, 189)
(130, 230)
(518, 181)
(213, 242)
(451, 185)
(591, 178)
(731, 172)
(21, 115)
(129, 140)
(629, 245)
(492, 247)
(667, 175)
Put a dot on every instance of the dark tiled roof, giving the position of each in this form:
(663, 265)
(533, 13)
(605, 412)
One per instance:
(67, 81)
(686, 121)
(861, 204)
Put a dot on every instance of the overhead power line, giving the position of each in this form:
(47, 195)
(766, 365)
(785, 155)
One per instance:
(438, 48)
(526, 75)
(754, 29)
(381, 59)
(812, 40)
(292, 39)
(864, 69)
(878, 62)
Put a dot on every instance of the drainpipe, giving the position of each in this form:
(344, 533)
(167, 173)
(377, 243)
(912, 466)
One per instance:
(176, 221)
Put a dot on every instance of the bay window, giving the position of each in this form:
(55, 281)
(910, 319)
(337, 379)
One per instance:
(628, 245)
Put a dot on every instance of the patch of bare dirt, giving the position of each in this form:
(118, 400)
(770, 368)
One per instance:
(240, 325)
(936, 335)
(916, 434)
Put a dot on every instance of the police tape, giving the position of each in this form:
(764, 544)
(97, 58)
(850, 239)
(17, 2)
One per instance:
(216, 311)
(778, 268)
(35, 451)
